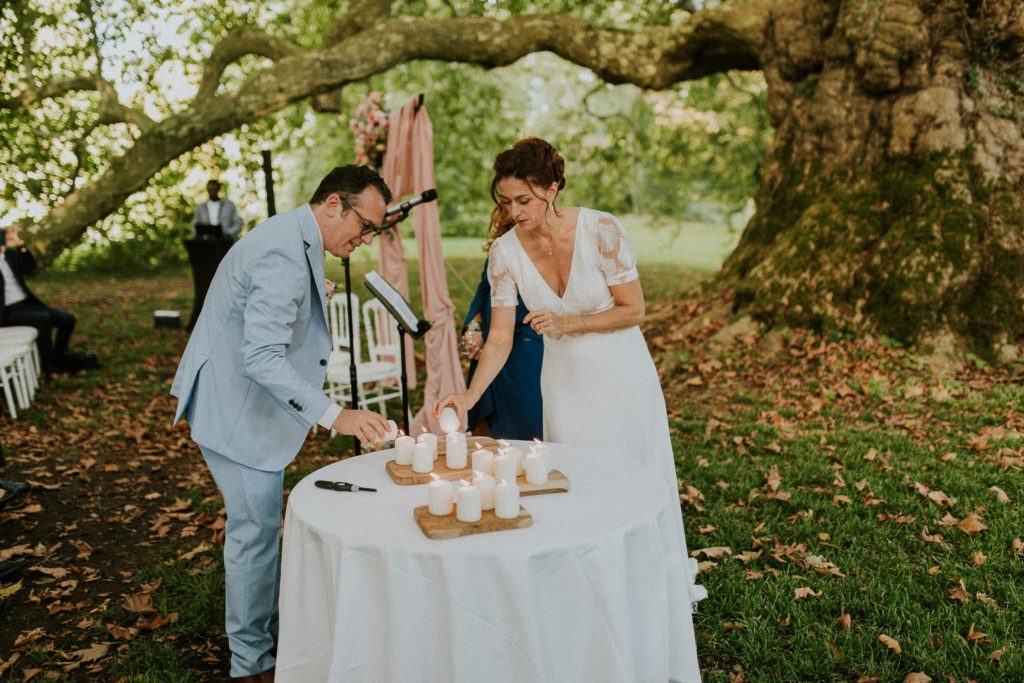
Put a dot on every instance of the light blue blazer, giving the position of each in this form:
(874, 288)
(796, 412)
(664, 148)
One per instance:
(250, 382)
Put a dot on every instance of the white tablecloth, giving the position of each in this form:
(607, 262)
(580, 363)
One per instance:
(595, 590)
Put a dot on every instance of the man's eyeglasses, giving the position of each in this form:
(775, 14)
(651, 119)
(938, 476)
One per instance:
(368, 227)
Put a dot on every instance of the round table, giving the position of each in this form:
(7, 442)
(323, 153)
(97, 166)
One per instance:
(597, 589)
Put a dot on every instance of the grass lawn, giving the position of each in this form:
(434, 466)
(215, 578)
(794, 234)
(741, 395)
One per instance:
(833, 492)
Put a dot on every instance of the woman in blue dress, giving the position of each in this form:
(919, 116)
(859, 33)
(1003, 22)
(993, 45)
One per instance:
(511, 407)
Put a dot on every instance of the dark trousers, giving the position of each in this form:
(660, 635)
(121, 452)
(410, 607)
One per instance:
(47, 320)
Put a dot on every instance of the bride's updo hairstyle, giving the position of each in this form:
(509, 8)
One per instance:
(534, 160)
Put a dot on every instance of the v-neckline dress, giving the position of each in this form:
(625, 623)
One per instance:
(601, 389)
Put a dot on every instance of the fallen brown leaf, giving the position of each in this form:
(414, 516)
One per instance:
(971, 524)
(891, 643)
(140, 602)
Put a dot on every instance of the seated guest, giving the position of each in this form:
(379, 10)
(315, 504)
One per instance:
(219, 212)
(19, 306)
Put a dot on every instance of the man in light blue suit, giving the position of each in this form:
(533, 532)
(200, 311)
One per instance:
(250, 385)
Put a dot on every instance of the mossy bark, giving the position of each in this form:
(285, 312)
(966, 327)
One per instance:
(891, 200)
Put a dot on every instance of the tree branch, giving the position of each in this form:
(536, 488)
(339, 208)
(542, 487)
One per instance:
(361, 15)
(727, 37)
(54, 88)
(234, 46)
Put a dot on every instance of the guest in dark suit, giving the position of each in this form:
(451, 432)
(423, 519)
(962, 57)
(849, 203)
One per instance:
(511, 407)
(217, 211)
(19, 306)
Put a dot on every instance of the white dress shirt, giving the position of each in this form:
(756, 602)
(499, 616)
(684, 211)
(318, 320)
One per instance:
(13, 293)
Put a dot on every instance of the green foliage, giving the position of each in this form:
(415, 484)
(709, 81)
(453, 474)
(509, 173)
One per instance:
(626, 149)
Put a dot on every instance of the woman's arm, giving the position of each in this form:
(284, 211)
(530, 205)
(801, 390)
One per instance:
(628, 311)
(492, 360)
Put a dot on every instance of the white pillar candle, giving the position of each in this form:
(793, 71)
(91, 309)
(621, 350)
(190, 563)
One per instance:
(542, 448)
(506, 500)
(483, 460)
(485, 483)
(505, 467)
(422, 458)
(517, 456)
(449, 420)
(455, 450)
(440, 496)
(431, 439)
(467, 503)
(403, 450)
(392, 432)
(536, 470)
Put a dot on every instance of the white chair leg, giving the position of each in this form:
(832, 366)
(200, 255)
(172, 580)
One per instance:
(5, 379)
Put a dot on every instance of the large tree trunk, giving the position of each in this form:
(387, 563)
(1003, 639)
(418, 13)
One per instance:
(891, 199)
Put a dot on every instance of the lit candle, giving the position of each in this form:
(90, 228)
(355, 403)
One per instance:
(449, 420)
(542, 448)
(517, 456)
(403, 450)
(440, 495)
(422, 458)
(536, 470)
(485, 483)
(455, 450)
(428, 438)
(506, 500)
(467, 503)
(392, 432)
(505, 467)
(483, 460)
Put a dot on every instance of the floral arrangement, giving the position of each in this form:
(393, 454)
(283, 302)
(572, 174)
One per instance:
(370, 128)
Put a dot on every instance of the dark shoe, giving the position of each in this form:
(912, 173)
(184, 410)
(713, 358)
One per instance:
(73, 361)
(265, 677)
(11, 491)
(12, 567)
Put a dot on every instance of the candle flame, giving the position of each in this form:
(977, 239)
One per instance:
(435, 477)
(464, 483)
(477, 444)
(401, 433)
(424, 429)
(503, 443)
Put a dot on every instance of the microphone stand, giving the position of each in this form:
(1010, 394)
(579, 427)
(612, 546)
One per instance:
(353, 376)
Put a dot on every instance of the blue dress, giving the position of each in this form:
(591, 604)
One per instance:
(512, 404)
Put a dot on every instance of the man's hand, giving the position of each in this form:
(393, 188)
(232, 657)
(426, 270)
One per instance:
(330, 287)
(365, 425)
(13, 241)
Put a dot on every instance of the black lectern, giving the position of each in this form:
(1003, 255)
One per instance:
(204, 254)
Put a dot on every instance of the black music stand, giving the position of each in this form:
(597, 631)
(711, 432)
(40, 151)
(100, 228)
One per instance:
(408, 324)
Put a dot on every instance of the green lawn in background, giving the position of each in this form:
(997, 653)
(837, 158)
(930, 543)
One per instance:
(698, 247)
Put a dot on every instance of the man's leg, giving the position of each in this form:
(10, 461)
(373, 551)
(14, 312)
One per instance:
(64, 321)
(34, 315)
(253, 500)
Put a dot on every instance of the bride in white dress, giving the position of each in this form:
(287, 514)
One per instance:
(576, 271)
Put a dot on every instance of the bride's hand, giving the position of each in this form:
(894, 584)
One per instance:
(544, 321)
(461, 402)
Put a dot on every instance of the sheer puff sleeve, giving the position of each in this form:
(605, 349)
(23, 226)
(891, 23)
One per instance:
(618, 258)
(499, 273)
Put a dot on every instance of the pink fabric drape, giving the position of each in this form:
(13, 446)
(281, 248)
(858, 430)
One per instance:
(409, 167)
(397, 174)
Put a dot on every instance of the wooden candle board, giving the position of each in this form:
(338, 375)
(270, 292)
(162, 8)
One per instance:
(404, 476)
(556, 483)
(447, 527)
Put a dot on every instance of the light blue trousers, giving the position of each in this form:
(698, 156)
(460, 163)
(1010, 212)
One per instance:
(252, 567)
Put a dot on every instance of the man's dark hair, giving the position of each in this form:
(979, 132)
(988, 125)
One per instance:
(213, 181)
(349, 181)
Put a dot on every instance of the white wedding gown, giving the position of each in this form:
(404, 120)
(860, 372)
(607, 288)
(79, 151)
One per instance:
(601, 389)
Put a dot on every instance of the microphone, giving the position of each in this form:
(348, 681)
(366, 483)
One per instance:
(428, 196)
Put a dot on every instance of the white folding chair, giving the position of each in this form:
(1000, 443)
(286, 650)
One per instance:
(344, 344)
(12, 380)
(23, 334)
(380, 379)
